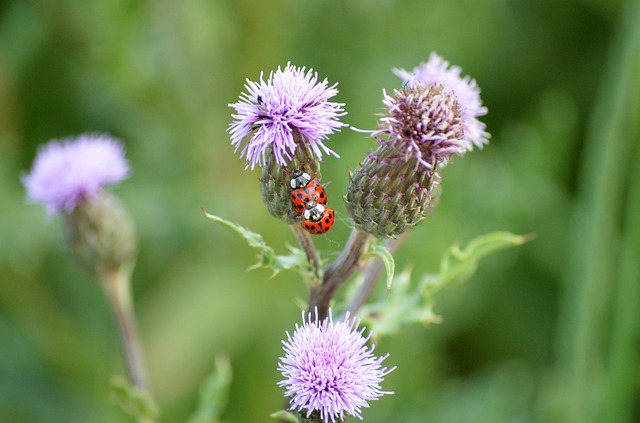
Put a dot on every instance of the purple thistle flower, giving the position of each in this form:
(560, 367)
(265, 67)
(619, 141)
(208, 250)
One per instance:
(67, 171)
(437, 71)
(423, 121)
(329, 370)
(291, 101)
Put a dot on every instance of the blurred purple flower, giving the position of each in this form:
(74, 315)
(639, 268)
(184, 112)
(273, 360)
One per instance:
(65, 172)
(329, 370)
(291, 101)
(437, 71)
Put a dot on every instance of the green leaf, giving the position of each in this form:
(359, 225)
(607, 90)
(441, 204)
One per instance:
(286, 416)
(387, 258)
(296, 260)
(253, 239)
(132, 400)
(403, 307)
(458, 265)
(214, 393)
(412, 302)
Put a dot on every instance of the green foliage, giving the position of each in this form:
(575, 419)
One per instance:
(387, 259)
(286, 416)
(132, 400)
(214, 393)
(267, 258)
(413, 302)
(404, 306)
(458, 265)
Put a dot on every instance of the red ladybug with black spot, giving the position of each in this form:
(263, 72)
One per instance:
(305, 191)
(323, 221)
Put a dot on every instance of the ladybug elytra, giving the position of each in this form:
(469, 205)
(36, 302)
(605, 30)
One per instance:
(321, 226)
(309, 199)
(305, 191)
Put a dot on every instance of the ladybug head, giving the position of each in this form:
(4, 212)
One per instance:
(314, 212)
(299, 179)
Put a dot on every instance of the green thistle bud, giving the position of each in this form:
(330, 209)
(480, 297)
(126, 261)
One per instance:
(101, 234)
(388, 194)
(391, 190)
(275, 181)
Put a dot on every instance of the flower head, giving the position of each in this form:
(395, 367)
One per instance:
(437, 71)
(68, 171)
(328, 369)
(424, 121)
(291, 102)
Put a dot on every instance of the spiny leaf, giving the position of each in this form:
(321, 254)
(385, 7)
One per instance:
(458, 265)
(412, 302)
(403, 307)
(253, 239)
(214, 393)
(296, 261)
(387, 258)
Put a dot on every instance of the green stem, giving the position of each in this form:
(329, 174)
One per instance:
(623, 361)
(337, 272)
(116, 285)
(371, 273)
(305, 241)
(596, 232)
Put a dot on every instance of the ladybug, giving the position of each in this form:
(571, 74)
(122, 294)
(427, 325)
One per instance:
(321, 226)
(313, 212)
(305, 191)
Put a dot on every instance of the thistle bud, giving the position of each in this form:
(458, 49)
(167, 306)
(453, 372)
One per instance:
(388, 194)
(391, 190)
(275, 181)
(101, 234)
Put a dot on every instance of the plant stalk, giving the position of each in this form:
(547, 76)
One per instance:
(305, 241)
(371, 273)
(592, 273)
(338, 272)
(116, 285)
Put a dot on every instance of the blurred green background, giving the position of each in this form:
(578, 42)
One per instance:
(547, 332)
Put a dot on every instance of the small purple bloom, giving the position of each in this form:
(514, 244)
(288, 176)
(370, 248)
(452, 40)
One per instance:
(328, 369)
(290, 102)
(437, 71)
(67, 171)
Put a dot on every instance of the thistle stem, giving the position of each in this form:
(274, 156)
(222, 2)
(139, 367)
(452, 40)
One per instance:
(371, 274)
(116, 285)
(304, 239)
(338, 272)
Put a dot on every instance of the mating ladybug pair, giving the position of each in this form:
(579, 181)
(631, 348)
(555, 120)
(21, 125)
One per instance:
(309, 199)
